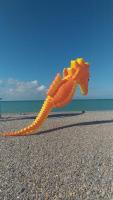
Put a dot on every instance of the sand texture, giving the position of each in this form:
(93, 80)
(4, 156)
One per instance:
(70, 158)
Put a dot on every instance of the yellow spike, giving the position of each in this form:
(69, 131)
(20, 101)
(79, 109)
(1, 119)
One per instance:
(80, 61)
(72, 63)
(69, 71)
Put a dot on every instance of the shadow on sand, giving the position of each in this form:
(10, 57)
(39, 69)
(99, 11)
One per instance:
(74, 125)
(33, 117)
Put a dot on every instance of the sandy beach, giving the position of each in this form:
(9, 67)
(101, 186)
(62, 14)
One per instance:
(70, 158)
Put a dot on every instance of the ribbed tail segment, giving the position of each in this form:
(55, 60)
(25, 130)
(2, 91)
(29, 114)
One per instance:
(31, 129)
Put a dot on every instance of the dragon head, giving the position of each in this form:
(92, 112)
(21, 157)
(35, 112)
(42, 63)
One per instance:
(63, 87)
(79, 72)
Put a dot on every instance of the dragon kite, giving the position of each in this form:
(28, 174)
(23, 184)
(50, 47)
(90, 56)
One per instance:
(59, 94)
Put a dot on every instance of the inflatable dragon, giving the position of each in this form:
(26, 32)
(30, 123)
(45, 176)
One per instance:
(59, 94)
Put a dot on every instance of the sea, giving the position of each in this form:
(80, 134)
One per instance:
(74, 105)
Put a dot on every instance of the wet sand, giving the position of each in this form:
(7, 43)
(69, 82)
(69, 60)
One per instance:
(70, 158)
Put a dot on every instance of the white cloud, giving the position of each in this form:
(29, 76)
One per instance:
(35, 82)
(12, 89)
(41, 88)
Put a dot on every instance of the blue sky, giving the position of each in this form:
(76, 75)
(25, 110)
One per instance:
(38, 38)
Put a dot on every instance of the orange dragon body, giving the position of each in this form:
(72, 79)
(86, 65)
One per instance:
(59, 94)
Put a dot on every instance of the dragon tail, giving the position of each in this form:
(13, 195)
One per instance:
(31, 129)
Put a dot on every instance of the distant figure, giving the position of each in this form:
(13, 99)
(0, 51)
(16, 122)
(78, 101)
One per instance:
(83, 111)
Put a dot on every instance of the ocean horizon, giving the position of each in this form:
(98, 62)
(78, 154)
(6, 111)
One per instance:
(21, 106)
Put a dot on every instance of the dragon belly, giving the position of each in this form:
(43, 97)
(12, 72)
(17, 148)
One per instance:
(64, 93)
